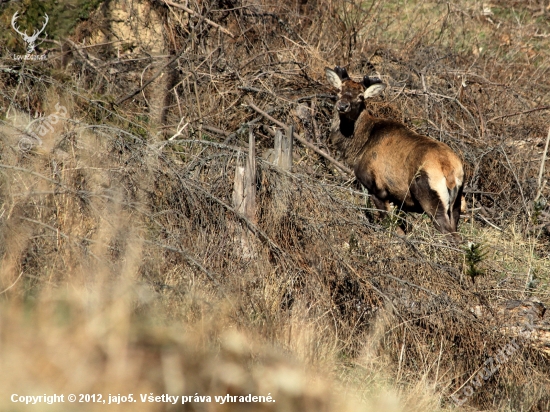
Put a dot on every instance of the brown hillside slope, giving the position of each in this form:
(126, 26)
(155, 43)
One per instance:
(122, 263)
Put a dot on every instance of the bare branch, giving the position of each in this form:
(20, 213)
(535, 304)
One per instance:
(536, 109)
(338, 164)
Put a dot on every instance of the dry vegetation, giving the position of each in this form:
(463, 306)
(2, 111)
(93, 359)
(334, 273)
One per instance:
(123, 267)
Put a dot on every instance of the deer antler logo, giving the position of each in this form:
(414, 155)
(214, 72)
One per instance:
(30, 40)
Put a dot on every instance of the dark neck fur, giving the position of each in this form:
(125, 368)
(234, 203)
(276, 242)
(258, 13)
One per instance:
(347, 126)
(347, 121)
(343, 135)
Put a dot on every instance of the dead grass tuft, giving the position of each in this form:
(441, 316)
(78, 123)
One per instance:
(123, 264)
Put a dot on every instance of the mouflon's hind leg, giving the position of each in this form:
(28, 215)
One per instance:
(455, 210)
(444, 223)
(441, 220)
(431, 203)
(381, 206)
(383, 211)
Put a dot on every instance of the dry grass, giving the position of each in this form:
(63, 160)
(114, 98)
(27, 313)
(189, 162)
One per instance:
(82, 342)
(122, 264)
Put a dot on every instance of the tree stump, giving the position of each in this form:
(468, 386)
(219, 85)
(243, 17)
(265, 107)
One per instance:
(244, 198)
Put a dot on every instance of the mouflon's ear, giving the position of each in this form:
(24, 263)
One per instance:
(333, 78)
(374, 86)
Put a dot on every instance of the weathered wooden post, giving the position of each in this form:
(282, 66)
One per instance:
(282, 151)
(244, 195)
(281, 156)
(244, 189)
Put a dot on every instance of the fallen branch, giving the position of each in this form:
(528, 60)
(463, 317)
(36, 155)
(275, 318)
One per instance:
(489, 223)
(536, 109)
(301, 139)
(194, 13)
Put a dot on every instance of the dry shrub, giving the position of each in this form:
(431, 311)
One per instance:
(128, 207)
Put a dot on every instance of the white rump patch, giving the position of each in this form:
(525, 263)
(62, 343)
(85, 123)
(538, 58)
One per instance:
(333, 78)
(440, 187)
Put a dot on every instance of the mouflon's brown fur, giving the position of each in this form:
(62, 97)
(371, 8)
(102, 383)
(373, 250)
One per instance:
(395, 164)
